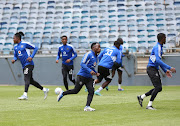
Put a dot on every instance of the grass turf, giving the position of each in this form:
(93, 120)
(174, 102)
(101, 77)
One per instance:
(114, 108)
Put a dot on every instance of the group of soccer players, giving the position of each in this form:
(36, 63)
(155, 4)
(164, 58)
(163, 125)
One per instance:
(109, 60)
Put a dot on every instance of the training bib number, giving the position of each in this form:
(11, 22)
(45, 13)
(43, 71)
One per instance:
(109, 52)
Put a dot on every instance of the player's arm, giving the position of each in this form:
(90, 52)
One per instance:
(101, 55)
(15, 57)
(159, 61)
(118, 60)
(31, 46)
(84, 61)
(75, 54)
(58, 55)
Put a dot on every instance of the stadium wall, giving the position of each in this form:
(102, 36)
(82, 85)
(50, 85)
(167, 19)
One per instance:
(47, 72)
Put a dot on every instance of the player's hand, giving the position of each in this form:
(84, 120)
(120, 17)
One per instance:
(173, 70)
(168, 74)
(13, 61)
(92, 73)
(97, 74)
(29, 59)
(68, 60)
(57, 61)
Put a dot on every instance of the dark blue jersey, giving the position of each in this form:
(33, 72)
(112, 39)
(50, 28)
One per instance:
(22, 52)
(88, 64)
(108, 56)
(66, 51)
(155, 58)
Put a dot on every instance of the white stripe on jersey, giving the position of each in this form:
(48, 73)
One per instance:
(72, 47)
(159, 51)
(28, 52)
(85, 57)
(29, 44)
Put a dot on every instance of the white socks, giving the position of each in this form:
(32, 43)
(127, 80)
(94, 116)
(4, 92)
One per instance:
(44, 89)
(25, 94)
(99, 89)
(150, 103)
(143, 96)
(119, 86)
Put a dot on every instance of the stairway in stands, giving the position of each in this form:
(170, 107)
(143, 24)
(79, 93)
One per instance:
(141, 65)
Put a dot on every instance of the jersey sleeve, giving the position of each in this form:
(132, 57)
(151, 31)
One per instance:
(118, 60)
(58, 55)
(15, 55)
(31, 46)
(85, 61)
(74, 52)
(163, 68)
(158, 59)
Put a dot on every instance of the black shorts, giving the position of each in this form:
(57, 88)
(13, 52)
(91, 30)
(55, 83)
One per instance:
(118, 68)
(104, 73)
(67, 69)
(155, 77)
(28, 70)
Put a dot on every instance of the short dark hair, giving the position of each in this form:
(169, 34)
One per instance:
(117, 43)
(92, 45)
(120, 40)
(19, 35)
(63, 36)
(160, 36)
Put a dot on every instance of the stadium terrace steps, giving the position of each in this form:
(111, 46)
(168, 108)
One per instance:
(141, 65)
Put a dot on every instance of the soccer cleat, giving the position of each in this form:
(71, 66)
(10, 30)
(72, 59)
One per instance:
(97, 93)
(23, 97)
(121, 89)
(150, 108)
(88, 108)
(60, 96)
(107, 88)
(140, 100)
(46, 93)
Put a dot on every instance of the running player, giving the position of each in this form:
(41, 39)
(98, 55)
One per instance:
(67, 61)
(22, 52)
(84, 77)
(153, 71)
(108, 58)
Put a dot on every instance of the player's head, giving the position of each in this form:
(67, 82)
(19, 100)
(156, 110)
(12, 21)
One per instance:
(17, 37)
(120, 40)
(118, 43)
(161, 38)
(96, 47)
(64, 39)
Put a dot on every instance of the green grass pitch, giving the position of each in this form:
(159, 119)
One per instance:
(114, 108)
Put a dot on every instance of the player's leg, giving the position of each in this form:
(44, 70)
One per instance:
(141, 97)
(37, 85)
(156, 80)
(108, 77)
(79, 83)
(27, 75)
(119, 79)
(71, 73)
(90, 88)
(64, 73)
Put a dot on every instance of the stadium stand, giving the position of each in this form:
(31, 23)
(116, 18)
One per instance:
(87, 21)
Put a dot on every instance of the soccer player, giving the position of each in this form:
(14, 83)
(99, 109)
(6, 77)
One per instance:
(118, 67)
(67, 61)
(22, 52)
(84, 76)
(108, 57)
(153, 71)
